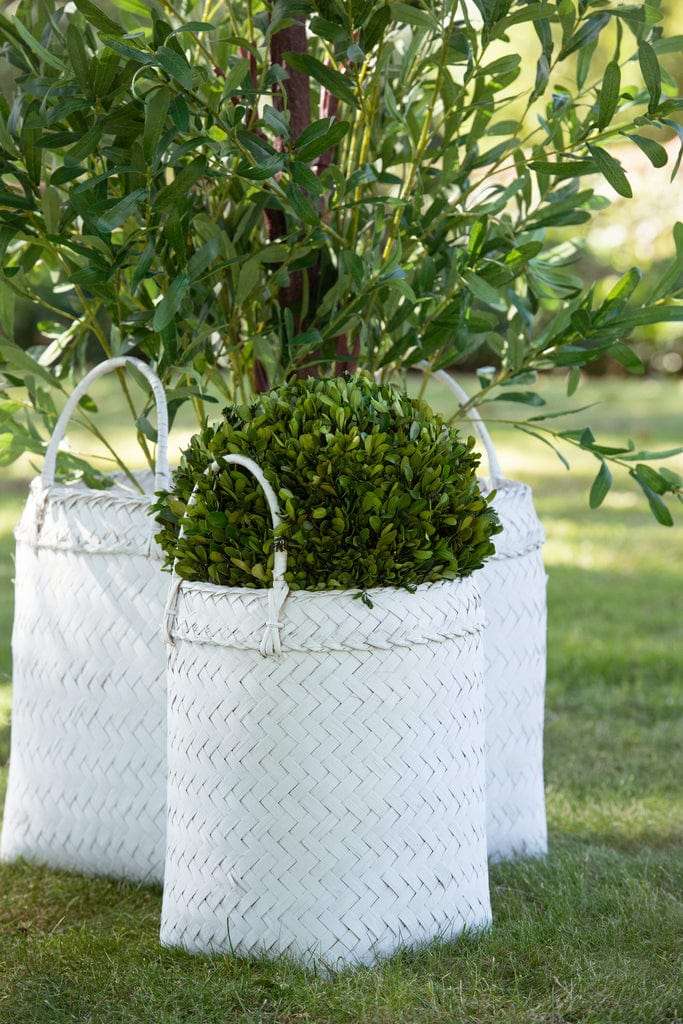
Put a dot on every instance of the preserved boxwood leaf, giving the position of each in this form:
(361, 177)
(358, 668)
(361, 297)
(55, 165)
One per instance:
(375, 489)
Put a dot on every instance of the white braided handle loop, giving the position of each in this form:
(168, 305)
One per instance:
(495, 472)
(161, 474)
(277, 595)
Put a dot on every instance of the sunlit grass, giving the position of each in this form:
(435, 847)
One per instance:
(592, 936)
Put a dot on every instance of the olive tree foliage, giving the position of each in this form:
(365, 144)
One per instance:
(245, 192)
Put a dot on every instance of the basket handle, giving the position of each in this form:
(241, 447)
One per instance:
(161, 474)
(473, 414)
(277, 595)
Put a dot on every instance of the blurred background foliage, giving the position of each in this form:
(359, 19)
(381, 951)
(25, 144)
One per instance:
(631, 232)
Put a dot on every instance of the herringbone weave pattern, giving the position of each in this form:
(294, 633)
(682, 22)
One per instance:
(87, 769)
(326, 802)
(513, 589)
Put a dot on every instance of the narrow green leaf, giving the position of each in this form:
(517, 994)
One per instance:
(609, 94)
(413, 16)
(267, 168)
(249, 277)
(653, 315)
(170, 304)
(27, 365)
(627, 358)
(276, 121)
(6, 140)
(129, 52)
(477, 236)
(78, 57)
(652, 74)
(375, 27)
(143, 265)
(565, 168)
(588, 33)
(532, 12)
(483, 291)
(655, 153)
(119, 213)
(612, 170)
(157, 103)
(104, 73)
(542, 77)
(668, 453)
(544, 440)
(310, 338)
(7, 308)
(657, 506)
(180, 186)
(600, 487)
(674, 480)
(98, 18)
(37, 48)
(521, 397)
(623, 289)
(652, 478)
(234, 78)
(51, 204)
(561, 413)
(329, 78)
(204, 256)
(175, 65)
(668, 44)
(133, 7)
(584, 60)
(310, 145)
(303, 175)
(194, 26)
(668, 281)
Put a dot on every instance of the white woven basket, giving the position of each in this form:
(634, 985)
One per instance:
(87, 768)
(326, 777)
(513, 590)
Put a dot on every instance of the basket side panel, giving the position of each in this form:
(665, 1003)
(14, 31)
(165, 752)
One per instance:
(87, 768)
(325, 805)
(514, 595)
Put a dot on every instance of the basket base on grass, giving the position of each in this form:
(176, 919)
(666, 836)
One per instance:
(326, 802)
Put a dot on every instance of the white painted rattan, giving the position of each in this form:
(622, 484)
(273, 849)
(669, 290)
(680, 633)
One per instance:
(513, 590)
(325, 791)
(87, 768)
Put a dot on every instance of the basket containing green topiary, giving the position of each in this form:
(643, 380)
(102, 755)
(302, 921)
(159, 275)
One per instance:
(326, 767)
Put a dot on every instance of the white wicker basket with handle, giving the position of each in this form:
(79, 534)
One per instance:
(326, 769)
(87, 768)
(513, 591)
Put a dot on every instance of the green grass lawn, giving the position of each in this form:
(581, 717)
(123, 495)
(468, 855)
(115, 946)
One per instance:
(592, 935)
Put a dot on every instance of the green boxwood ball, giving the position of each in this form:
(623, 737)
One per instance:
(375, 490)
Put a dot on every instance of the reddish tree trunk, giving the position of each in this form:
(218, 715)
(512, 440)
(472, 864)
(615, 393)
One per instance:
(345, 348)
(297, 86)
(259, 377)
(297, 93)
(298, 96)
(329, 105)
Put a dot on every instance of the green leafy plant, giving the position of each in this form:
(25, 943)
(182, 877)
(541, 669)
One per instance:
(375, 489)
(297, 187)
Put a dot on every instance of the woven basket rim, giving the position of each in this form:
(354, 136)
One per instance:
(200, 586)
(80, 491)
(503, 485)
